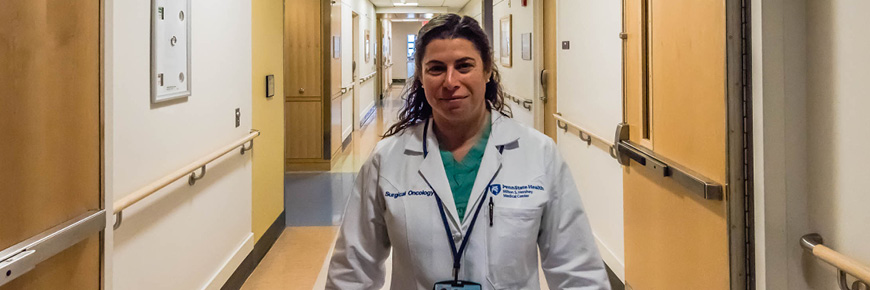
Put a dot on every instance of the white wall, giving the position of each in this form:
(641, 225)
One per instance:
(519, 80)
(346, 69)
(779, 142)
(589, 87)
(809, 76)
(367, 21)
(399, 47)
(182, 236)
(837, 74)
(387, 59)
(473, 8)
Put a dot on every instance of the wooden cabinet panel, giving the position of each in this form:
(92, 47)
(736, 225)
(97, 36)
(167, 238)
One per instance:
(302, 48)
(304, 130)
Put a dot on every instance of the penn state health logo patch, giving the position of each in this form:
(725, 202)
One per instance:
(495, 189)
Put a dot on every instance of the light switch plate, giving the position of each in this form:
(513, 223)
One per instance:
(170, 50)
(238, 118)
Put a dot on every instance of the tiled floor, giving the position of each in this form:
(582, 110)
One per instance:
(314, 203)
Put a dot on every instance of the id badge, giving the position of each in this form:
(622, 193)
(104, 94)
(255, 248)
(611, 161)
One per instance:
(456, 285)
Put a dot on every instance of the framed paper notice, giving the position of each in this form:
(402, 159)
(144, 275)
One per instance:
(526, 46)
(336, 46)
(170, 50)
(505, 50)
(368, 46)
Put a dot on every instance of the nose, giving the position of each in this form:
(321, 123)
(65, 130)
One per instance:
(452, 81)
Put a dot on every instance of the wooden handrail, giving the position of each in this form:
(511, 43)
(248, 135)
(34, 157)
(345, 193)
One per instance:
(849, 265)
(813, 244)
(146, 191)
(559, 118)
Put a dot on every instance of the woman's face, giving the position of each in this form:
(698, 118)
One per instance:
(454, 80)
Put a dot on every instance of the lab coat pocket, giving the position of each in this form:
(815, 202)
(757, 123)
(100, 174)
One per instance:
(512, 247)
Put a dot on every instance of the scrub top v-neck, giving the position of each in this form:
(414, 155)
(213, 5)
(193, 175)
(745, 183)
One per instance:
(461, 175)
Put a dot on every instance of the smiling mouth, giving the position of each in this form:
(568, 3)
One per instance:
(453, 98)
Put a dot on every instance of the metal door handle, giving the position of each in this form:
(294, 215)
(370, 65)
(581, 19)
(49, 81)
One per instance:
(626, 150)
(545, 75)
(24, 256)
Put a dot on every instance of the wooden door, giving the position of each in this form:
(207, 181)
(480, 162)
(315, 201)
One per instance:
(676, 107)
(50, 156)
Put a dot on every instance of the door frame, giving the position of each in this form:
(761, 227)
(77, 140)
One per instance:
(538, 65)
(355, 69)
(739, 177)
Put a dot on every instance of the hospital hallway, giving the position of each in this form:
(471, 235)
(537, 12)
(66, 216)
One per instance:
(635, 144)
(316, 203)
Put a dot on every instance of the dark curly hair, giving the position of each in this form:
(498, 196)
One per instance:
(449, 26)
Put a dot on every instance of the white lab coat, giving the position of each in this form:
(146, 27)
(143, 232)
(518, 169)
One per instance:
(536, 207)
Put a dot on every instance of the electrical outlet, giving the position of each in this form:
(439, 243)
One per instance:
(238, 118)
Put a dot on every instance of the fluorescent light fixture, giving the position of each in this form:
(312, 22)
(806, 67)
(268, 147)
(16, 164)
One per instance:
(405, 4)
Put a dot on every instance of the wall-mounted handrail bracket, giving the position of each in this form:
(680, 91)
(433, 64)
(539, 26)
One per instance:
(561, 125)
(119, 218)
(810, 241)
(249, 148)
(585, 137)
(193, 178)
(527, 104)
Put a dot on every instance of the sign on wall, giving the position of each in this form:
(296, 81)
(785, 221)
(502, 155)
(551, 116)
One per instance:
(368, 45)
(505, 53)
(170, 50)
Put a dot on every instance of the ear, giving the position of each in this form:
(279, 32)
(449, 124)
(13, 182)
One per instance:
(489, 76)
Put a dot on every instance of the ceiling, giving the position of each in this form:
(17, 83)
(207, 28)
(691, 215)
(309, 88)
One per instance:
(451, 4)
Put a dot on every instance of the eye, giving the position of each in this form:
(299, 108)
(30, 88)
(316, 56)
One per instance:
(435, 69)
(464, 67)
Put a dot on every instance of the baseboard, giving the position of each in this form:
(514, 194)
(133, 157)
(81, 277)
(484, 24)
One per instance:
(231, 264)
(346, 141)
(368, 116)
(615, 283)
(259, 251)
(611, 259)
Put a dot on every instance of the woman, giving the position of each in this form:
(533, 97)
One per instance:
(464, 196)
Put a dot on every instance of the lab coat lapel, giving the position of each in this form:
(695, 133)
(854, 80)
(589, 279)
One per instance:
(432, 170)
(490, 165)
(504, 131)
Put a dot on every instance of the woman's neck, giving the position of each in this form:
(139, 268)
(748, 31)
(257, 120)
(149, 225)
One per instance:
(459, 137)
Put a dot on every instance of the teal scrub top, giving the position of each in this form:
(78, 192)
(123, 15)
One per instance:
(461, 175)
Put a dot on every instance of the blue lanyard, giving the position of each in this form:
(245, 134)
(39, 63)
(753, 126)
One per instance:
(457, 255)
